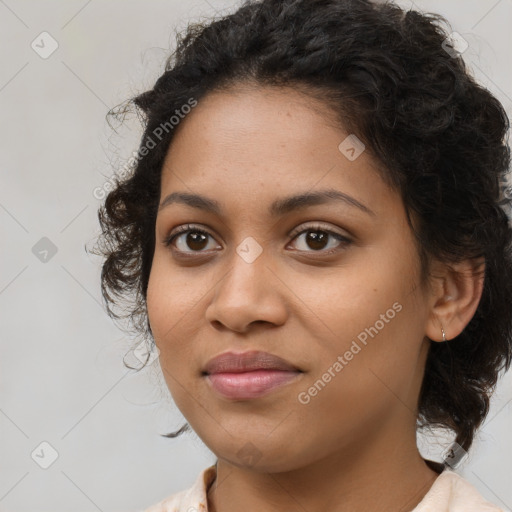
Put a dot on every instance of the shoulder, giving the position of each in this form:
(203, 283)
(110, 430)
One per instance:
(452, 493)
(193, 499)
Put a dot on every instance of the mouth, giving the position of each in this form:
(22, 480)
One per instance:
(248, 375)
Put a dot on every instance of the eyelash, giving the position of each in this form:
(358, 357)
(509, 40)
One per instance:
(186, 228)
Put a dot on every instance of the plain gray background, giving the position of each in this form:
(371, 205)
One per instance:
(62, 380)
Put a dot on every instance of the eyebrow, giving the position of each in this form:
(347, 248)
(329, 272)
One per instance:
(279, 207)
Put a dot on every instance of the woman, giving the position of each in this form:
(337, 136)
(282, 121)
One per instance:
(315, 237)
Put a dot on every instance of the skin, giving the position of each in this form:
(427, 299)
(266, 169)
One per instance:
(352, 447)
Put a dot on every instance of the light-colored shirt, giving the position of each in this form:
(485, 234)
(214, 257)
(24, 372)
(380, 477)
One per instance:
(449, 493)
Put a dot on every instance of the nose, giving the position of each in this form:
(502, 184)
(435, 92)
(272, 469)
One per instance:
(249, 292)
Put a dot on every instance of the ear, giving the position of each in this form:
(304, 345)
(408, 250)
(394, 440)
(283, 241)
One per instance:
(456, 292)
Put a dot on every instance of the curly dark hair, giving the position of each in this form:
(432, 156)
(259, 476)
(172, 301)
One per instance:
(393, 77)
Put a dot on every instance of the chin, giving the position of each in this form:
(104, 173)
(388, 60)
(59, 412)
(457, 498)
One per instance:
(258, 454)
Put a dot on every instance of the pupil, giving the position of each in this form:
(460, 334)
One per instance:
(313, 238)
(193, 238)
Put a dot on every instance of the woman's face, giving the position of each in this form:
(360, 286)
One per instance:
(348, 314)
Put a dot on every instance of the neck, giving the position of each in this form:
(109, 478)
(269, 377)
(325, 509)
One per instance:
(383, 475)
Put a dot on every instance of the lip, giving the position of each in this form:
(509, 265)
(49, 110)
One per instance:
(238, 362)
(248, 375)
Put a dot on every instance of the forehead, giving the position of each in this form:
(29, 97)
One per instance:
(250, 144)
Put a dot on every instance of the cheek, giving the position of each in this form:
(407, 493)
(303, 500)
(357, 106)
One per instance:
(347, 302)
(372, 318)
(371, 380)
(164, 313)
(170, 301)
(174, 313)
(157, 302)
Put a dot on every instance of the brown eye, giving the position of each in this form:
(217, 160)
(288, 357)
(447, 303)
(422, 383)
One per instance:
(189, 239)
(316, 239)
(196, 241)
